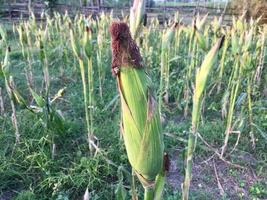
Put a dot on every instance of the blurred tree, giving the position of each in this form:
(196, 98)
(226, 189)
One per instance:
(150, 3)
(119, 3)
(50, 5)
(252, 8)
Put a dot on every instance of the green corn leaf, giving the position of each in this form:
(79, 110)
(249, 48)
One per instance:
(38, 99)
(57, 121)
(1, 71)
(248, 40)
(120, 192)
(2, 34)
(168, 37)
(200, 23)
(202, 76)
(234, 42)
(86, 42)
(111, 103)
(159, 187)
(201, 40)
(42, 51)
(18, 98)
(74, 45)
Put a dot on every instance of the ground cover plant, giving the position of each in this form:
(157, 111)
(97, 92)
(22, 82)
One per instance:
(60, 109)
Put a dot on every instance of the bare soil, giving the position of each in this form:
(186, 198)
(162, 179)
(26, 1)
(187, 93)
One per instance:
(217, 178)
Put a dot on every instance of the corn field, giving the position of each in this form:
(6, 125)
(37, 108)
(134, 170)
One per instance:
(68, 121)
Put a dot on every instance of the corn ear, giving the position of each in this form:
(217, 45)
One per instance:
(141, 123)
(141, 127)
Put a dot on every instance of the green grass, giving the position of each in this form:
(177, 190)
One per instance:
(28, 165)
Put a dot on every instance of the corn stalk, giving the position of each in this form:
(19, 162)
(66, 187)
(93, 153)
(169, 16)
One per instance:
(137, 13)
(201, 79)
(167, 39)
(82, 49)
(9, 84)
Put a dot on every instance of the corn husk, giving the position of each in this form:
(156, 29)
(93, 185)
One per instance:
(140, 122)
(141, 127)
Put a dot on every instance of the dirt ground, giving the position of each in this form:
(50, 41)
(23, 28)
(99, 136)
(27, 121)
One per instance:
(216, 178)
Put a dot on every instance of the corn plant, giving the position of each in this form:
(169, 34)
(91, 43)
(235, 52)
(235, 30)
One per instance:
(24, 31)
(52, 118)
(197, 41)
(2, 108)
(82, 49)
(100, 58)
(2, 45)
(167, 39)
(137, 13)
(200, 82)
(8, 79)
(223, 62)
(237, 41)
(9, 84)
(191, 57)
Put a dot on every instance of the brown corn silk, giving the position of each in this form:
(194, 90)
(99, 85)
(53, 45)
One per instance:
(124, 50)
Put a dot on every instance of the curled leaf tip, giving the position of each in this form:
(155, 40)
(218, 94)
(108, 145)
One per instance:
(125, 52)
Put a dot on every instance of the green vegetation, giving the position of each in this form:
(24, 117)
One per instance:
(60, 114)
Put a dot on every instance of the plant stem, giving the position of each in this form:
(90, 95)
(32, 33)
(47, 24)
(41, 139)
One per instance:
(250, 112)
(85, 99)
(234, 91)
(2, 108)
(149, 194)
(162, 77)
(190, 149)
(222, 65)
(189, 164)
(90, 98)
(133, 187)
(14, 114)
